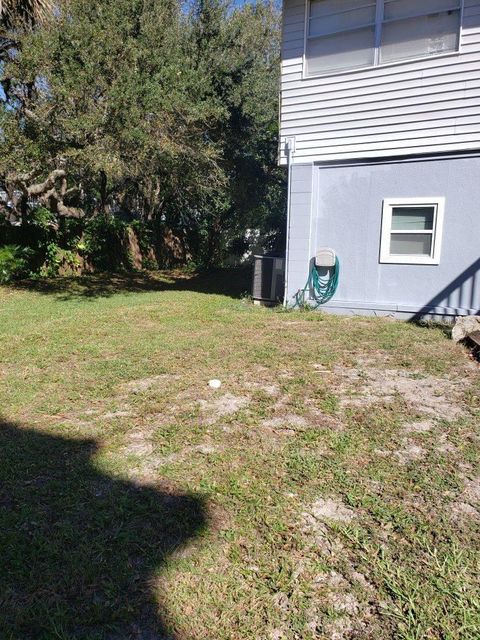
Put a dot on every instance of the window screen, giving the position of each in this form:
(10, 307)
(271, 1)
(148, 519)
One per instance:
(419, 35)
(341, 35)
(395, 9)
(349, 34)
(348, 50)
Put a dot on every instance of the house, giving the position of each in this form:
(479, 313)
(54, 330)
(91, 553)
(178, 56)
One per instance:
(380, 131)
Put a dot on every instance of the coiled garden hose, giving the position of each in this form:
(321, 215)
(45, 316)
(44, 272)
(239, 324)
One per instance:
(321, 288)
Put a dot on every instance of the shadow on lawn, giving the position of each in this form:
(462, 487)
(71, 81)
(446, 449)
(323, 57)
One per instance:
(229, 282)
(78, 548)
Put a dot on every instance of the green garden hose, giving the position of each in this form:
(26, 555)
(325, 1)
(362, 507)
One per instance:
(322, 288)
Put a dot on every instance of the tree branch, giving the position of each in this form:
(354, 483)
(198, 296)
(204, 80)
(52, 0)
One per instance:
(50, 193)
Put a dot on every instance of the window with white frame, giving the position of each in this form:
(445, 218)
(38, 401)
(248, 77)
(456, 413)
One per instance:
(412, 230)
(350, 34)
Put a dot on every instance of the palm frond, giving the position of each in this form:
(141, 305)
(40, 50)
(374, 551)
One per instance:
(14, 13)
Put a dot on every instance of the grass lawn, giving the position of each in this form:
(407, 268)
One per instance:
(329, 489)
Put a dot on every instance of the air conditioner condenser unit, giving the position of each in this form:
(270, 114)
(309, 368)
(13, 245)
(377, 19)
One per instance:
(268, 279)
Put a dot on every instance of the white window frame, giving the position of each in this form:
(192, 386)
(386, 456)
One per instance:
(379, 20)
(437, 232)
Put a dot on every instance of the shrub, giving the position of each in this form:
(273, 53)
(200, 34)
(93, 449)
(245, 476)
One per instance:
(105, 243)
(59, 261)
(14, 262)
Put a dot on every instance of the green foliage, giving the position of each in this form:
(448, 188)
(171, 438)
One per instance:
(105, 243)
(42, 217)
(159, 113)
(52, 261)
(58, 260)
(14, 262)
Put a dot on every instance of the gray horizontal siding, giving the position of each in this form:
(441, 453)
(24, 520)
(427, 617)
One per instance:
(423, 106)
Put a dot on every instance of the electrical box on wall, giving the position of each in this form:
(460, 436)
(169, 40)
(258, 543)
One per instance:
(325, 257)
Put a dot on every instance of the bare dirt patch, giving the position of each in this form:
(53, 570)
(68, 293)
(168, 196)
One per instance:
(365, 385)
(335, 594)
(225, 405)
(273, 431)
(410, 452)
(347, 617)
(464, 510)
(326, 509)
(445, 447)
(472, 491)
(468, 503)
(144, 384)
(271, 390)
(85, 419)
(139, 442)
(111, 415)
(324, 540)
(338, 592)
(423, 426)
(338, 629)
(281, 422)
(323, 420)
(275, 436)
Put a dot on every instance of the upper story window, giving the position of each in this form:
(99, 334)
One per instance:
(350, 34)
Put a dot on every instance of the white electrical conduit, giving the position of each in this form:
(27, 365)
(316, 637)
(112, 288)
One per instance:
(290, 148)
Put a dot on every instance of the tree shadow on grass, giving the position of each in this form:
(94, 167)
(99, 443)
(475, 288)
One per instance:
(78, 548)
(228, 282)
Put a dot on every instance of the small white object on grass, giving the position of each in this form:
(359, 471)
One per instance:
(215, 384)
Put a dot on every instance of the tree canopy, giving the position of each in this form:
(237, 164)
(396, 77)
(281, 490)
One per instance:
(145, 111)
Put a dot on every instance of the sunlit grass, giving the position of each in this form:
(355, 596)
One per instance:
(124, 363)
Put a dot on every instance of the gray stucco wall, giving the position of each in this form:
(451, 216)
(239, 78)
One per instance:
(341, 206)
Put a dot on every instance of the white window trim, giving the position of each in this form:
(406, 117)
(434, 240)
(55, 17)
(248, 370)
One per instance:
(437, 232)
(377, 64)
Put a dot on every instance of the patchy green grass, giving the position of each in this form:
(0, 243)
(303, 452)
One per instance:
(329, 489)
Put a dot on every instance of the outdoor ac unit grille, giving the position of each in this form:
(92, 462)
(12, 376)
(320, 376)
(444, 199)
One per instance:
(280, 284)
(268, 278)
